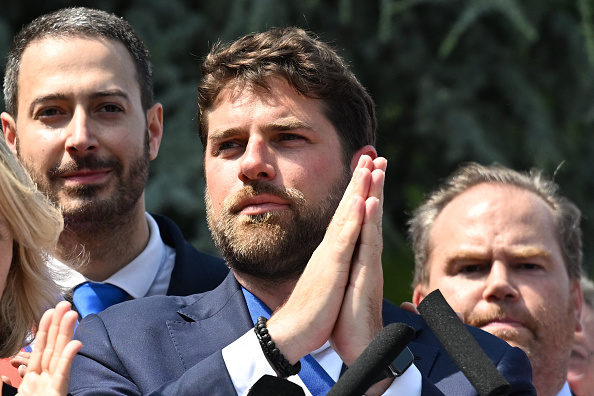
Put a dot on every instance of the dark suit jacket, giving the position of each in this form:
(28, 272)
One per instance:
(172, 346)
(193, 271)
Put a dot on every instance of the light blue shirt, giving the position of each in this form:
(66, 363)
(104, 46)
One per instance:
(565, 391)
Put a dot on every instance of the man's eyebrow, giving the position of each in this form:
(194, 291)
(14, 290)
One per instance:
(45, 98)
(108, 93)
(282, 125)
(287, 125)
(221, 134)
(61, 96)
(467, 255)
(530, 252)
(524, 252)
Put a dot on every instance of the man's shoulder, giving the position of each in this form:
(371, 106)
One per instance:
(194, 271)
(148, 308)
(167, 307)
(172, 236)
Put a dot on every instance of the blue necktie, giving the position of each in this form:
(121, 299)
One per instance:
(90, 298)
(316, 379)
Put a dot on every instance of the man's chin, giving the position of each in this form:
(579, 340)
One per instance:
(97, 212)
(516, 337)
(79, 208)
(262, 250)
(269, 271)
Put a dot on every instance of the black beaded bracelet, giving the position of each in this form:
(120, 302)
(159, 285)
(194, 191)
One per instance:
(281, 365)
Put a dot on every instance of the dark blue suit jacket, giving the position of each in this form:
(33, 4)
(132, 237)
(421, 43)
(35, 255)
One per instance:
(193, 271)
(172, 346)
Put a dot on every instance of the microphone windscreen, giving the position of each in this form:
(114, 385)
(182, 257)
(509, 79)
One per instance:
(269, 385)
(461, 346)
(382, 350)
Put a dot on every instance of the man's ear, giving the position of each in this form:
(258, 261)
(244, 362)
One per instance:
(365, 150)
(419, 294)
(9, 129)
(154, 121)
(578, 300)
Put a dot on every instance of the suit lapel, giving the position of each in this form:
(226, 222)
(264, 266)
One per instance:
(425, 356)
(212, 322)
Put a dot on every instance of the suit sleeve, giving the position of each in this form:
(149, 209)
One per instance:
(99, 371)
(515, 367)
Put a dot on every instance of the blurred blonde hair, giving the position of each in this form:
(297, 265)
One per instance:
(35, 225)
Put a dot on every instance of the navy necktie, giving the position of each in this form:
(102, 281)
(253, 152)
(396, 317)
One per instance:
(90, 298)
(313, 375)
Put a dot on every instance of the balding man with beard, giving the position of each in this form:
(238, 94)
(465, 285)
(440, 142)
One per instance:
(505, 250)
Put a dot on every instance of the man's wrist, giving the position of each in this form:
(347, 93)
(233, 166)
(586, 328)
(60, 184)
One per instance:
(278, 361)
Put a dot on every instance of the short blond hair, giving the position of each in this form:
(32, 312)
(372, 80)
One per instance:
(35, 225)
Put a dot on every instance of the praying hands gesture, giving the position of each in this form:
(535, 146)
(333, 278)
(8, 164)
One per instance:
(339, 295)
(49, 367)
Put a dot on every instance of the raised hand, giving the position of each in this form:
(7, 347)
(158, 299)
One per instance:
(20, 361)
(360, 316)
(49, 367)
(308, 317)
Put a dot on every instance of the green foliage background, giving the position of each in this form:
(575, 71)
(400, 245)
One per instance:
(503, 81)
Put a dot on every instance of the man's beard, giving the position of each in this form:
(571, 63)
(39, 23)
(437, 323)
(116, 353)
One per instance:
(532, 324)
(274, 246)
(551, 338)
(83, 208)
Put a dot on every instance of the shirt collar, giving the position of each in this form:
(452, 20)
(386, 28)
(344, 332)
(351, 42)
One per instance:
(565, 391)
(135, 278)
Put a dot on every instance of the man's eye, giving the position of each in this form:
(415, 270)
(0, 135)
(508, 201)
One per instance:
(472, 269)
(224, 147)
(49, 112)
(290, 136)
(111, 108)
(227, 145)
(529, 266)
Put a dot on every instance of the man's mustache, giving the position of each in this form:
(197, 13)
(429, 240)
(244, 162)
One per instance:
(232, 204)
(88, 162)
(501, 313)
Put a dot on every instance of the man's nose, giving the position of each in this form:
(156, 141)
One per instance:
(258, 161)
(499, 283)
(81, 138)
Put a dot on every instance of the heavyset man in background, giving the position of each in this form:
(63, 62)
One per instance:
(505, 250)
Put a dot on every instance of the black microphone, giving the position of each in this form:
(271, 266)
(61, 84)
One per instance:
(462, 347)
(374, 360)
(269, 385)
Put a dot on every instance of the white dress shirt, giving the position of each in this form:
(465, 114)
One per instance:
(246, 363)
(148, 274)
